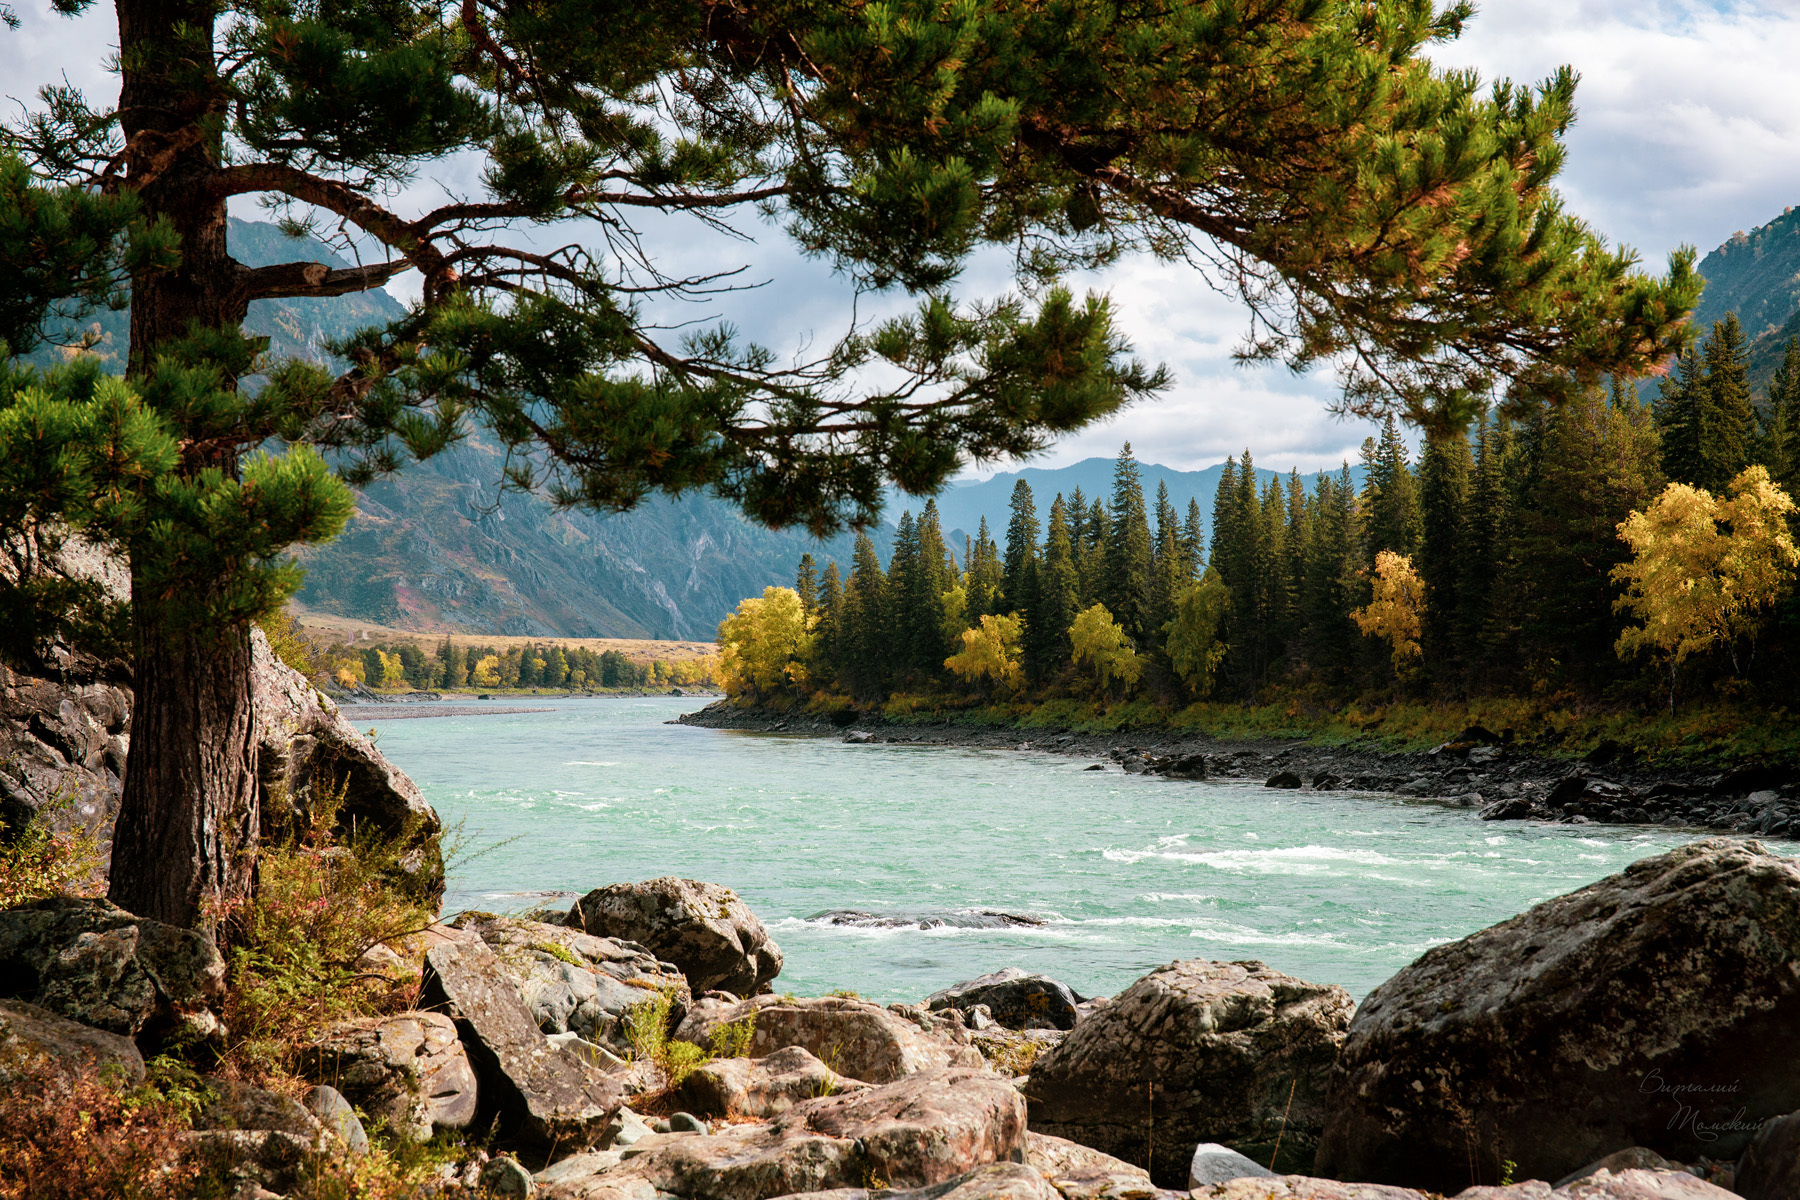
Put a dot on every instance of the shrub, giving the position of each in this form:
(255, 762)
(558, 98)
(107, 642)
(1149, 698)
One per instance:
(733, 1040)
(647, 1032)
(79, 1136)
(322, 900)
(36, 863)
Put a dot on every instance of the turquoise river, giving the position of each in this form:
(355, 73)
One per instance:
(877, 867)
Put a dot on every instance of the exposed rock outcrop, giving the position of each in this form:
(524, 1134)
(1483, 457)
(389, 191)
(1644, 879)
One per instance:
(922, 1130)
(409, 1070)
(574, 982)
(541, 1093)
(1014, 998)
(710, 935)
(1770, 1168)
(62, 753)
(1197, 1051)
(1626, 1185)
(857, 1038)
(93, 962)
(760, 1087)
(1001, 1181)
(308, 748)
(1659, 1007)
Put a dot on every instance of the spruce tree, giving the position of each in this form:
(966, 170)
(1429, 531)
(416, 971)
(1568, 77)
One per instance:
(1171, 567)
(1096, 530)
(828, 641)
(1390, 495)
(1021, 546)
(1444, 470)
(1193, 540)
(806, 584)
(984, 575)
(1128, 554)
(1781, 427)
(1730, 412)
(1330, 640)
(926, 646)
(1486, 529)
(1059, 594)
(1681, 418)
(866, 644)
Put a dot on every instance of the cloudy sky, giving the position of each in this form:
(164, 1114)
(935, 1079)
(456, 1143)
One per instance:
(1689, 131)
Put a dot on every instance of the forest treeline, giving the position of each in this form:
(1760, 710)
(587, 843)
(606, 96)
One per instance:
(1604, 549)
(451, 667)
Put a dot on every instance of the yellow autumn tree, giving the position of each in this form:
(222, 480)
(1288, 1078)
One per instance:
(1704, 570)
(1099, 640)
(486, 671)
(764, 644)
(1396, 610)
(990, 653)
(1192, 637)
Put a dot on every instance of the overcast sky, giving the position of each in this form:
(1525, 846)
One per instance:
(1689, 130)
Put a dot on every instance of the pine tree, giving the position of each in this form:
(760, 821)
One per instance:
(1330, 640)
(931, 576)
(1096, 531)
(1021, 546)
(1486, 528)
(1681, 418)
(828, 642)
(893, 147)
(806, 584)
(1172, 567)
(1129, 585)
(984, 575)
(1444, 470)
(1709, 422)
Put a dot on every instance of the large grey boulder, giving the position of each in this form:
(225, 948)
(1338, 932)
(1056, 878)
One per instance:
(1000, 1181)
(306, 748)
(1197, 1051)
(1770, 1168)
(923, 1130)
(93, 962)
(542, 1093)
(760, 1087)
(333, 1111)
(1014, 998)
(853, 1037)
(1625, 1185)
(1659, 1007)
(574, 982)
(710, 935)
(33, 1040)
(1213, 1163)
(233, 1104)
(409, 1070)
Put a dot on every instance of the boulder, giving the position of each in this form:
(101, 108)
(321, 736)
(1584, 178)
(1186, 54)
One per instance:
(1619, 1160)
(710, 935)
(1595, 1020)
(574, 982)
(1770, 1168)
(33, 1038)
(409, 1070)
(1080, 1172)
(231, 1104)
(1284, 779)
(306, 747)
(760, 1087)
(1001, 1181)
(857, 1038)
(923, 1130)
(542, 1094)
(1301, 1187)
(93, 962)
(332, 1111)
(1235, 1052)
(1641, 1185)
(244, 1159)
(1213, 1163)
(1016, 999)
(1626, 1185)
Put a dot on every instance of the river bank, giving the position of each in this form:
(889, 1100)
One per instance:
(1476, 769)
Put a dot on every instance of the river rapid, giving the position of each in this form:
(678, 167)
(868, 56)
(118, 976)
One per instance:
(895, 870)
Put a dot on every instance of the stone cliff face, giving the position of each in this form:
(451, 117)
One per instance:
(438, 547)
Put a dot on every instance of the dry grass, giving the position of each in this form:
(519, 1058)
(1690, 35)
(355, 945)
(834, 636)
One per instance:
(81, 1136)
(341, 630)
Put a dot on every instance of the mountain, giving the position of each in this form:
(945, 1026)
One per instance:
(436, 548)
(962, 506)
(1755, 275)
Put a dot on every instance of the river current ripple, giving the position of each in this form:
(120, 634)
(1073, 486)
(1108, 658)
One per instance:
(896, 870)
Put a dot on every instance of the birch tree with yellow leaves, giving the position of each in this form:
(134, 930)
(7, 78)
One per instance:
(763, 645)
(1396, 611)
(990, 653)
(1704, 570)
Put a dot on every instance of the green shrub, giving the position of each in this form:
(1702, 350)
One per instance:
(36, 863)
(733, 1040)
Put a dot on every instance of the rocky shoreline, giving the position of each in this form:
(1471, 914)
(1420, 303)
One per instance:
(1478, 770)
(635, 1048)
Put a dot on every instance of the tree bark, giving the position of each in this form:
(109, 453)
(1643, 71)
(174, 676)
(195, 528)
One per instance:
(184, 844)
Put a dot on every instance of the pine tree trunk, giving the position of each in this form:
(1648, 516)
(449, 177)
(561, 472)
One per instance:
(183, 847)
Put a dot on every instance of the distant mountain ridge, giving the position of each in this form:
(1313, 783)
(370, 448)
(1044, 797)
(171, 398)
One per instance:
(1757, 276)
